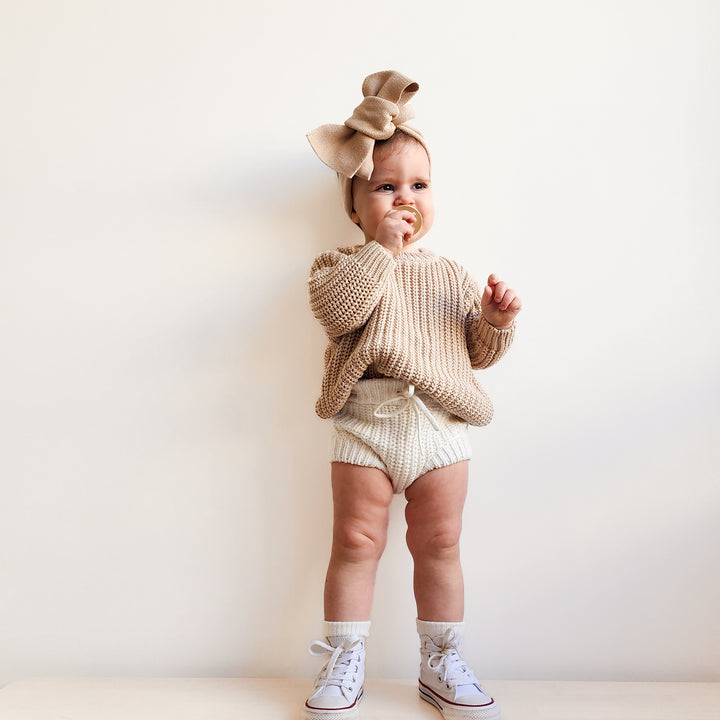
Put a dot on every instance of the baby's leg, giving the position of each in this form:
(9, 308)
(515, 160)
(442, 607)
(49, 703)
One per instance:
(434, 517)
(361, 501)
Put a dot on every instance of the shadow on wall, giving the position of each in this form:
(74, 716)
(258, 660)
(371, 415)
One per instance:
(278, 360)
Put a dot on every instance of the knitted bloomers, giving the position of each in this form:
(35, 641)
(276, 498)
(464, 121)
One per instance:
(388, 424)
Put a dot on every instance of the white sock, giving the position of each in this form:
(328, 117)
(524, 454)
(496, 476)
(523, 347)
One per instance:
(435, 629)
(338, 632)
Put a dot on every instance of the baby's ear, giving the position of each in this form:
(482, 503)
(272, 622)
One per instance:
(355, 217)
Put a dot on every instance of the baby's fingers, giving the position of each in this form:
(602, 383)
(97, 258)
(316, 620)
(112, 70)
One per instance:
(507, 299)
(499, 291)
(487, 296)
(511, 302)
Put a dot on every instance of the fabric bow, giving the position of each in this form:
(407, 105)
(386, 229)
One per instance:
(348, 148)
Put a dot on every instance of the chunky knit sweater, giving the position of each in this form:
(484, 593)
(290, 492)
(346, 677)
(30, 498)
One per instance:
(416, 317)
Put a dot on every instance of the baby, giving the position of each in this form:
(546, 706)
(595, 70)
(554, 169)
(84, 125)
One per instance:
(406, 328)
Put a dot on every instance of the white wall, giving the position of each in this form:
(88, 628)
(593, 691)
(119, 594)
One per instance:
(165, 504)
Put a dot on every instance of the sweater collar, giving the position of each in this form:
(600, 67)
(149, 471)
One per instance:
(421, 255)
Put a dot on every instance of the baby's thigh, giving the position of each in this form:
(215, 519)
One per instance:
(435, 503)
(361, 501)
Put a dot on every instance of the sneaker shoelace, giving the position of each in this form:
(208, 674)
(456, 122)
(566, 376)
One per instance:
(444, 659)
(343, 666)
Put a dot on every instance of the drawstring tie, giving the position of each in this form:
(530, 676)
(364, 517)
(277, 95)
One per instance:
(410, 398)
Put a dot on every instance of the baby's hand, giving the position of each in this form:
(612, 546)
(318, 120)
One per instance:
(395, 230)
(500, 304)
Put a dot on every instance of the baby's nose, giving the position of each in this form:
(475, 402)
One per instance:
(404, 197)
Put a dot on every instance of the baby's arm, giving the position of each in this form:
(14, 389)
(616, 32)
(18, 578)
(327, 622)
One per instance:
(345, 289)
(486, 341)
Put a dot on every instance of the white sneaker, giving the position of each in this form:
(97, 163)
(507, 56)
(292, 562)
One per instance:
(449, 684)
(338, 687)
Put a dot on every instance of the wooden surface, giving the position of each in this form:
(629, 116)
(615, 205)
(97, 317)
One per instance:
(281, 699)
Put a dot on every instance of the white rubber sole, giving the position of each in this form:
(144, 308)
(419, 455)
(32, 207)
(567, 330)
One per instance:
(452, 711)
(349, 713)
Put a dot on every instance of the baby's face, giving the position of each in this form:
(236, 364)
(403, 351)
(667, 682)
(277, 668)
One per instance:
(401, 177)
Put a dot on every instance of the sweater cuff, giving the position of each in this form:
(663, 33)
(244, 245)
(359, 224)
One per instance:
(494, 338)
(374, 259)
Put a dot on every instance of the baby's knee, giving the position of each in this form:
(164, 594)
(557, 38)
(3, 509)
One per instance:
(356, 544)
(439, 541)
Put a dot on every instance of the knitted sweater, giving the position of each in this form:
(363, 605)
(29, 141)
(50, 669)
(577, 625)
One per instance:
(415, 317)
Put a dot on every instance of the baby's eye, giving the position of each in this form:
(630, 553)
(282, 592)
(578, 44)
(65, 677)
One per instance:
(387, 187)
(419, 186)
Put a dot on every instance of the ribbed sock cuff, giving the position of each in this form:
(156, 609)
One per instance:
(435, 629)
(346, 629)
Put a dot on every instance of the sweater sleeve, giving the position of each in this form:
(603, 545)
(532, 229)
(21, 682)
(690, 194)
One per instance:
(486, 343)
(345, 289)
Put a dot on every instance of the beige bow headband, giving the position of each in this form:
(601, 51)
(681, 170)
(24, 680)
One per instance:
(348, 149)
